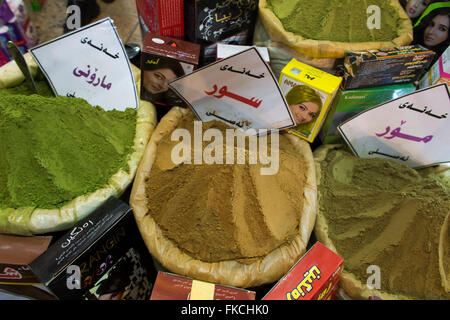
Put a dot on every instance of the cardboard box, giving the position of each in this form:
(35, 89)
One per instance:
(170, 286)
(227, 50)
(209, 22)
(438, 73)
(164, 59)
(314, 277)
(162, 17)
(364, 69)
(349, 103)
(16, 253)
(309, 93)
(103, 257)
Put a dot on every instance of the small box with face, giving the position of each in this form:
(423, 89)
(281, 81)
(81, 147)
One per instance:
(163, 60)
(309, 93)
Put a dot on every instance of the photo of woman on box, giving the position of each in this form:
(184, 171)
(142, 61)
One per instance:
(157, 72)
(305, 104)
(415, 8)
(114, 287)
(432, 31)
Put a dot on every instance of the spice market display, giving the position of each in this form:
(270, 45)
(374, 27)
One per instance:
(224, 150)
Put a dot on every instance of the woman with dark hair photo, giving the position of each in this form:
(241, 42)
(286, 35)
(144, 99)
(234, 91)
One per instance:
(415, 8)
(156, 74)
(115, 285)
(432, 31)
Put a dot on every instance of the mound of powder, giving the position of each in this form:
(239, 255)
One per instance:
(386, 214)
(217, 212)
(336, 20)
(54, 149)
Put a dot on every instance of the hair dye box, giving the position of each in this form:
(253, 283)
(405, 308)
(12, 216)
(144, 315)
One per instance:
(309, 93)
(364, 69)
(16, 253)
(314, 277)
(163, 59)
(102, 257)
(163, 17)
(349, 103)
(438, 73)
(209, 22)
(170, 286)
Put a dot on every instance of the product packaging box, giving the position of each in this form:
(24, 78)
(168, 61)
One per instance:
(163, 59)
(16, 253)
(388, 66)
(438, 73)
(309, 93)
(349, 103)
(162, 17)
(103, 257)
(170, 286)
(314, 277)
(209, 22)
(227, 50)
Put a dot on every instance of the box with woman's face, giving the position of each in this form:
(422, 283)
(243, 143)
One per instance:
(308, 92)
(163, 60)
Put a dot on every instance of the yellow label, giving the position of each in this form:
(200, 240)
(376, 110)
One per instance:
(202, 290)
(325, 86)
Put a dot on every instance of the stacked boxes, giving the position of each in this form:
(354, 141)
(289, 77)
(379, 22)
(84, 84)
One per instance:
(103, 257)
(364, 69)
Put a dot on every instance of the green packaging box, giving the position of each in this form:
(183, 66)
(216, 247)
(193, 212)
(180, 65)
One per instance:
(349, 103)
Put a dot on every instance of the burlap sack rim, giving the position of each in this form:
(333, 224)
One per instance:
(234, 273)
(28, 221)
(348, 281)
(326, 48)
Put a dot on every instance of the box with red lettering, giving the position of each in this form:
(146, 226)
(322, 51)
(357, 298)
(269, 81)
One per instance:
(314, 277)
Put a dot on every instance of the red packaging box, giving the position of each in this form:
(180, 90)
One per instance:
(314, 277)
(163, 17)
(170, 286)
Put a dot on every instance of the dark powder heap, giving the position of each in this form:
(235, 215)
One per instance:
(386, 214)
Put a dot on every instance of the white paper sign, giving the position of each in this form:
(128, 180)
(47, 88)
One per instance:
(413, 130)
(240, 91)
(90, 63)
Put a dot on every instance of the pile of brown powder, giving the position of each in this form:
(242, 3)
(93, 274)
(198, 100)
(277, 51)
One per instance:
(383, 213)
(224, 212)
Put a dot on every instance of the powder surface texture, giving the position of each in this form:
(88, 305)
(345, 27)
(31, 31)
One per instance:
(53, 150)
(217, 212)
(336, 20)
(386, 214)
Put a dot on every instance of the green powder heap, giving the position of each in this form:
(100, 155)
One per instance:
(386, 214)
(336, 20)
(53, 150)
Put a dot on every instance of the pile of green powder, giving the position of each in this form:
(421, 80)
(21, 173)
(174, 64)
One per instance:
(54, 149)
(385, 214)
(336, 20)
